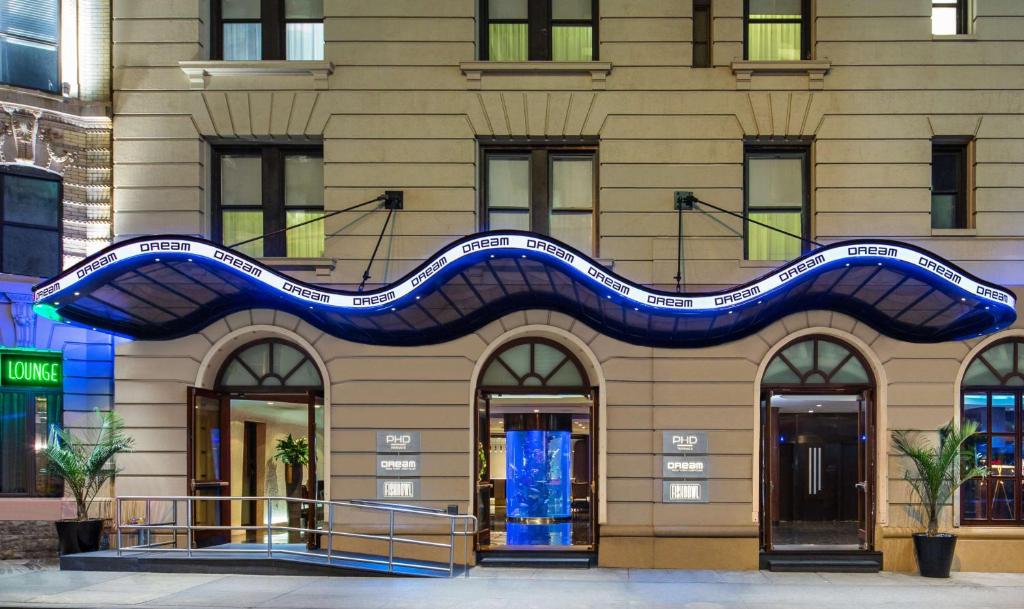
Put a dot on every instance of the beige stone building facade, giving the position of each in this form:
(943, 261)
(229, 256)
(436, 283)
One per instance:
(843, 134)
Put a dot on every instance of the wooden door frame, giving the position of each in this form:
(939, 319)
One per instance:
(224, 508)
(483, 395)
(768, 440)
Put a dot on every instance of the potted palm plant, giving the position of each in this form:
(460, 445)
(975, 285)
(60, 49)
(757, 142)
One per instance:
(84, 467)
(294, 453)
(937, 472)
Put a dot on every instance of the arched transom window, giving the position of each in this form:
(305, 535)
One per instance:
(269, 364)
(993, 397)
(534, 363)
(816, 361)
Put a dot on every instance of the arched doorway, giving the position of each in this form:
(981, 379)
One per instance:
(535, 457)
(817, 450)
(992, 395)
(259, 432)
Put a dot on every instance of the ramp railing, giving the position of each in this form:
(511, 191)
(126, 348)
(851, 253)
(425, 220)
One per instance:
(205, 533)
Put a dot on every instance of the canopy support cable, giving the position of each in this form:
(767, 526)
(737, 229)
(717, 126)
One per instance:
(327, 215)
(746, 218)
(373, 256)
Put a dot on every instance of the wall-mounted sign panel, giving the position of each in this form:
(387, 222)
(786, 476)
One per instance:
(688, 491)
(398, 441)
(398, 489)
(684, 467)
(682, 442)
(395, 465)
(31, 369)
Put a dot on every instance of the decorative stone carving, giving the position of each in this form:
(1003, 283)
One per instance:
(24, 319)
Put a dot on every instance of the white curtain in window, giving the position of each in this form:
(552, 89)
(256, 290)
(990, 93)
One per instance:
(304, 41)
(242, 42)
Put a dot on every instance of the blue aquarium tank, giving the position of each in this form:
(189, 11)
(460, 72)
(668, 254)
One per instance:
(538, 485)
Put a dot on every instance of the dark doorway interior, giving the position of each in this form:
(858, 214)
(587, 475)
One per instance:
(816, 493)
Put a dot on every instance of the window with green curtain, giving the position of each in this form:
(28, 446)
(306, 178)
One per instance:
(775, 30)
(508, 42)
(538, 30)
(572, 43)
(775, 196)
(265, 188)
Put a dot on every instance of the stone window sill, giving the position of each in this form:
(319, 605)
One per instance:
(955, 37)
(321, 266)
(954, 232)
(476, 70)
(814, 70)
(200, 72)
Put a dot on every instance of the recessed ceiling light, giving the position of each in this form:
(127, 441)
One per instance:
(817, 405)
(270, 403)
(811, 411)
(536, 410)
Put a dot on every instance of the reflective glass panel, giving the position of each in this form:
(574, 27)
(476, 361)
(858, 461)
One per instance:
(976, 409)
(572, 43)
(303, 9)
(572, 180)
(979, 374)
(31, 251)
(974, 499)
(760, 8)
(13, 439)
(241, 180)
(1000, 357)
(779, 372)
(305, 376)
(1004, 413)
(508, 9)
(545, 358)
(304, 241)
(240, 9)
(240, 225)
(509, 220)
(31, 200)
(285, 358)
(570, 10)
(851, 372)
(303, 181)
(944, 211)
(801, 355)
(30, 64)
(830, 355)
(1003, 456)
(243, 42)
(498, 376)
(518, 359)
(304, 41)
(48, 415)
(767, 244)
(574, 228)
(944, 20)
(235, 375)
(508, 182)
(257, 358)
(566, 376)
(508, 42)
(775, 182)
(1004, 499)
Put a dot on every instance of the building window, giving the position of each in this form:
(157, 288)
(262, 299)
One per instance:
(950, 177)
(992, 397)
(26, 417)
(551, 191)
(949, 17)
(538, 30)
(702, 33)
(263, 189)
(30, 241)
(251, 30)
(777, 30)
(776, 194)
(29, 37)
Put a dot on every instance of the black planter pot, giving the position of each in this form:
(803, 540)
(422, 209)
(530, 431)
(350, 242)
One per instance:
(934, 554)
(77, 536)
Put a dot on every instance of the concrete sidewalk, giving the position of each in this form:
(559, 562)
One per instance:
(515, 589)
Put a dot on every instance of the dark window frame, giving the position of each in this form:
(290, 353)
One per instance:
(31, 479)
(779, 150)
(958, 147)
(540, 156)
(273, 192)
(273, 26)
(702, 11)
(39, 174)
(540, 24)
(988, 434)
(805, 29)
(59, 80)
(961, 13)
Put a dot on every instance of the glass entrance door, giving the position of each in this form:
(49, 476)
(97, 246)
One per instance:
(209, 463)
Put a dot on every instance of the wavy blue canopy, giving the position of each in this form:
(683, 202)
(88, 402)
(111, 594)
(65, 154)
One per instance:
(168, 286)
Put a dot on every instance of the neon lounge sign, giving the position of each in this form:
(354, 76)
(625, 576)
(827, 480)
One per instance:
(38, 369)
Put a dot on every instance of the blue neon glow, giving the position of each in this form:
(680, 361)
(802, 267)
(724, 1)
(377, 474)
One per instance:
(555, 534)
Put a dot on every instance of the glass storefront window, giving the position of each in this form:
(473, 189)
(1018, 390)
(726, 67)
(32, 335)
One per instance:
(26, 419)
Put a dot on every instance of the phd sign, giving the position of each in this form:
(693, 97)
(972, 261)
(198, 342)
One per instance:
(37, 369)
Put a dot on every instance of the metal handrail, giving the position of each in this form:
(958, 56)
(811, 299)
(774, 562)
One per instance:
(467, 529)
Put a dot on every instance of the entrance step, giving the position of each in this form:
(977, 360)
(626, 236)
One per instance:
(525, 559)
(822, 562)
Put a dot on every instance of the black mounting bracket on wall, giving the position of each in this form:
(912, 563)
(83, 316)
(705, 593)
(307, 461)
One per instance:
(394, 199)
(684, 199)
